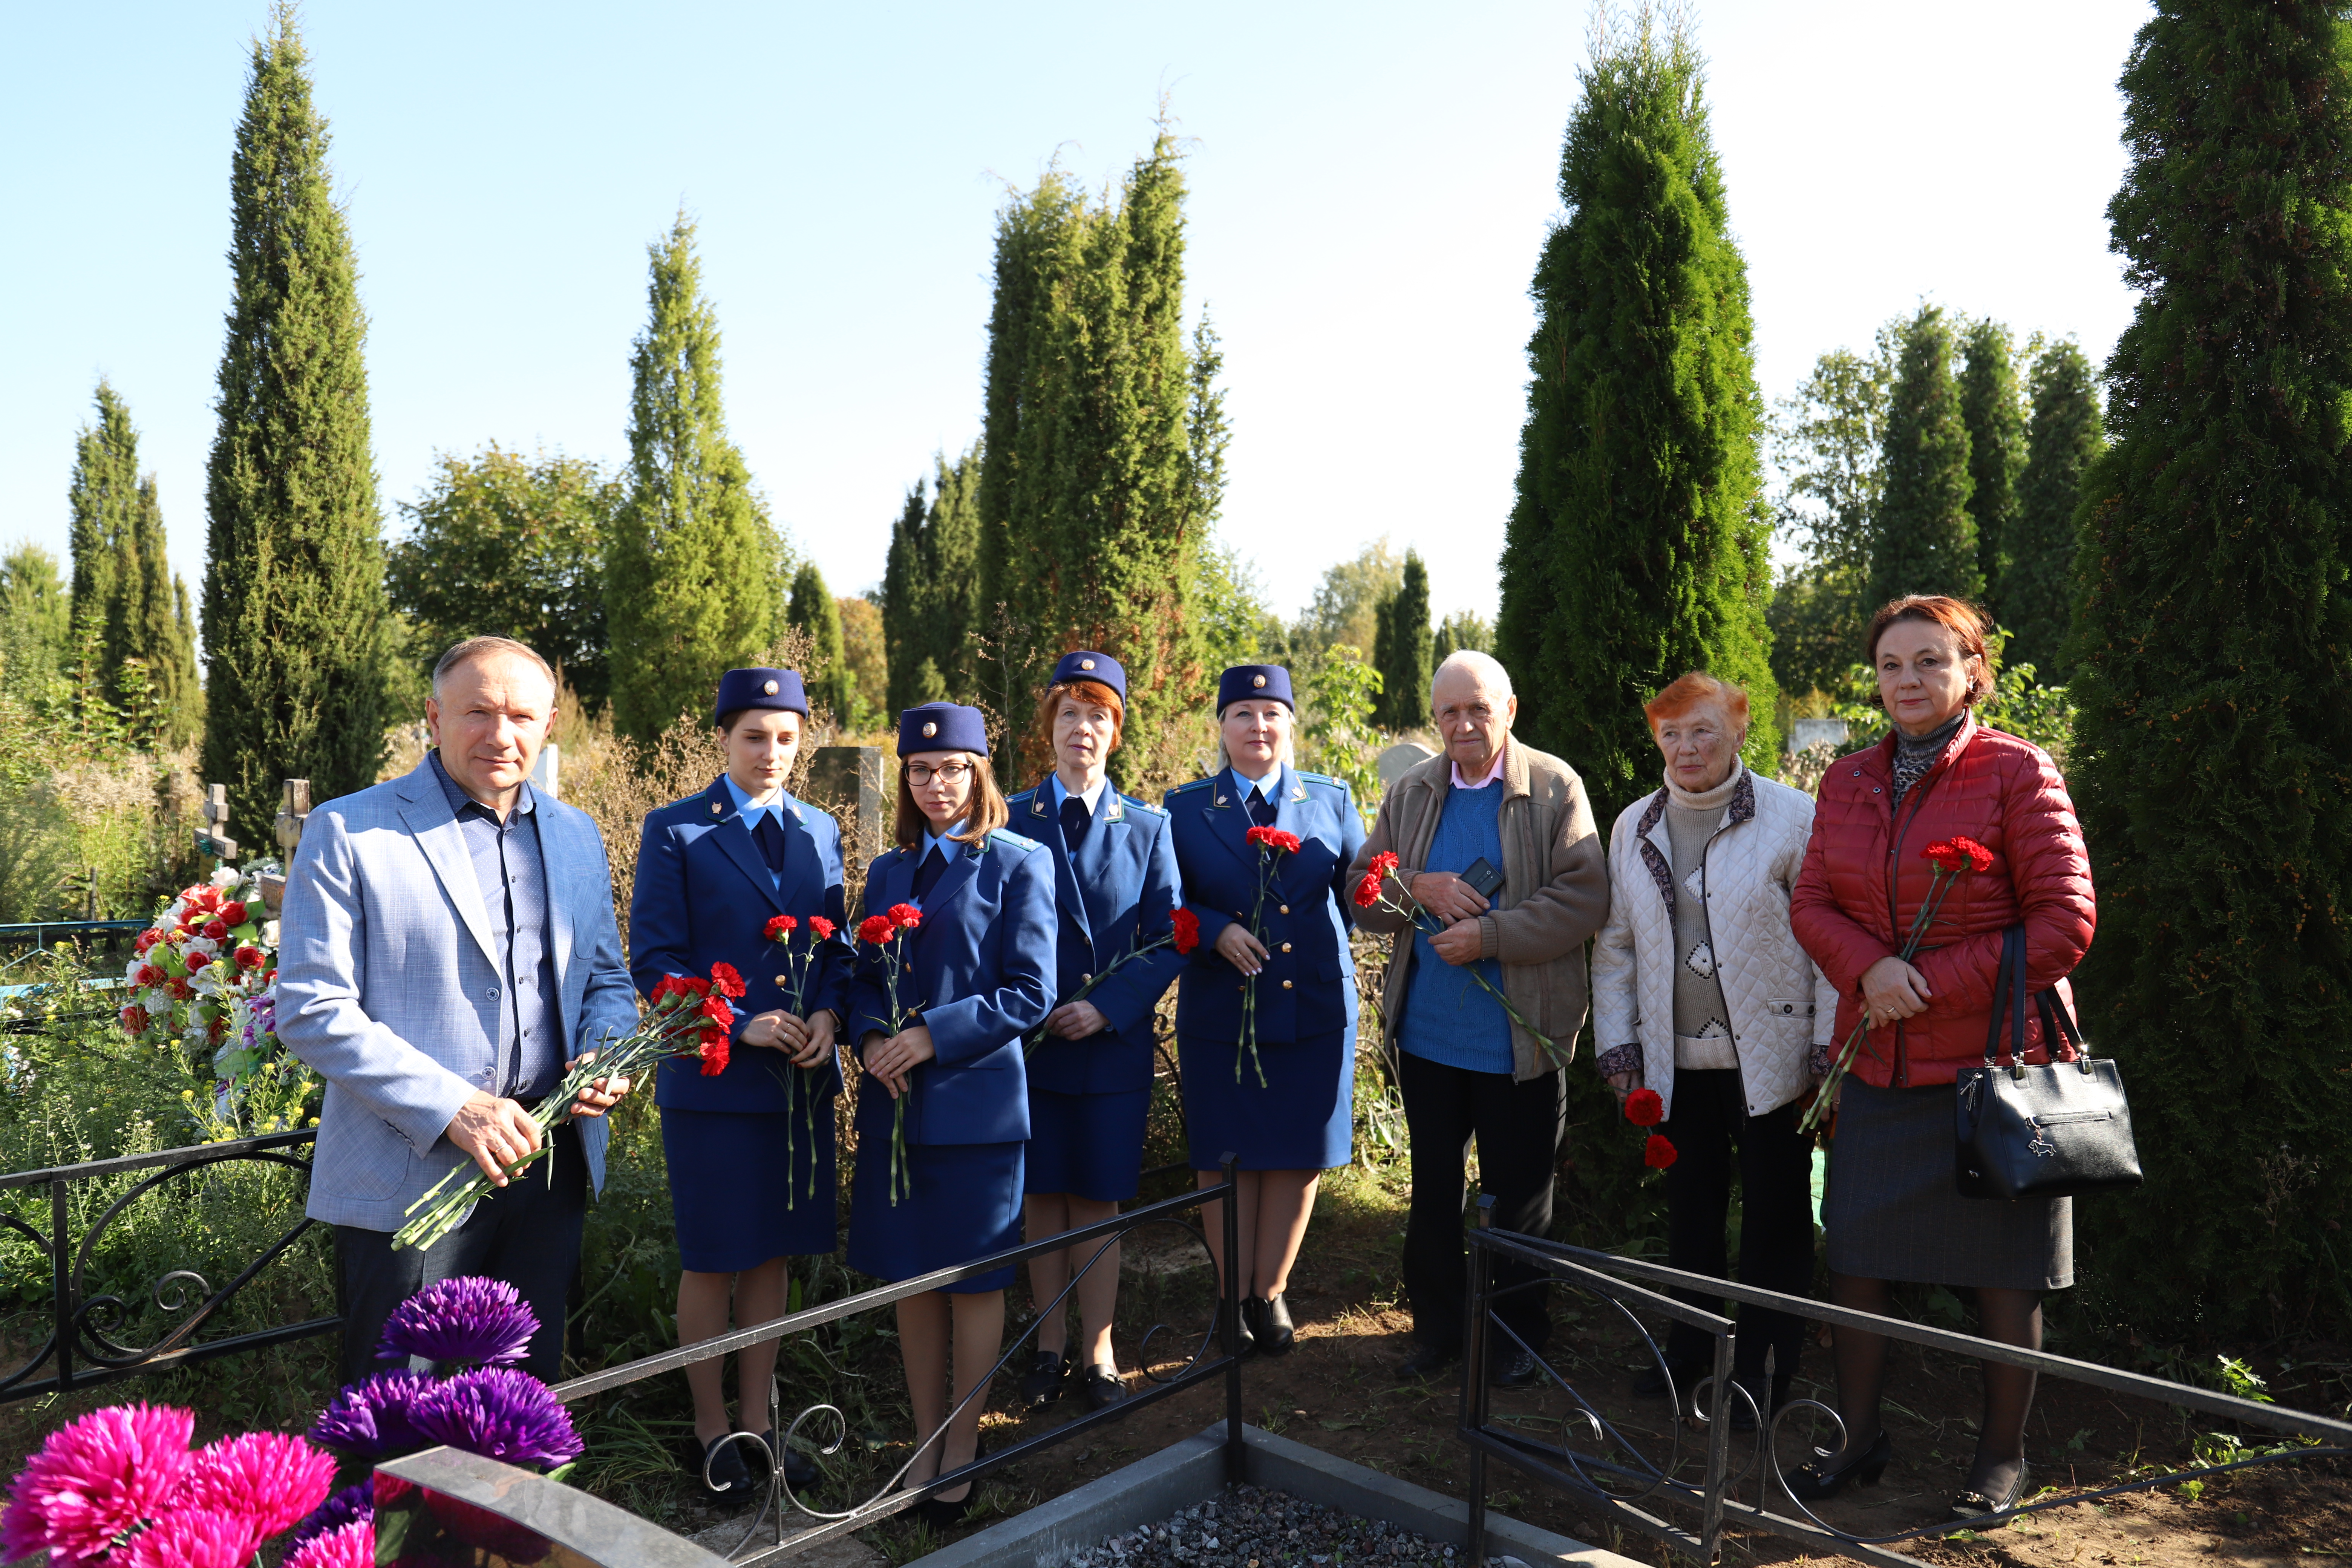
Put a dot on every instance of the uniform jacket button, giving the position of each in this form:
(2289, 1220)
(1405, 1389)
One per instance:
(1085, 979)
(1285, 947)
(1285, 986)
(783, 980)
(1286, 909)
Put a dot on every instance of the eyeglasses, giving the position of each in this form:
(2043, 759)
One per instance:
(946, 772)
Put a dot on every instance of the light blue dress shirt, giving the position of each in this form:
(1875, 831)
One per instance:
(751, 815)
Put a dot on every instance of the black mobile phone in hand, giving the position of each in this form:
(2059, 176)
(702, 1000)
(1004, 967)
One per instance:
(1484, 877)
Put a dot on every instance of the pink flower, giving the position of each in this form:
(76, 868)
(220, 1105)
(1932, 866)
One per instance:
(268, 1479)
(348, 1546)
(193, 1538)
(95, 1477)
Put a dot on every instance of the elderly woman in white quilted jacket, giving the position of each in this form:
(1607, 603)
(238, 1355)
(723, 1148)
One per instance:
(1701, 992)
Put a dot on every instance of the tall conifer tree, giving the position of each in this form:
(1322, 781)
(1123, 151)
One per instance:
(692, 567)
(1926, 542)
(1093, 486)
(1995, 426)
(931, 588)
(2210, 675)
(294, 606)
(1401, 649)
(2036, 594)
(154, 617)
(1637, 549)
(103, 500)
(814, 611)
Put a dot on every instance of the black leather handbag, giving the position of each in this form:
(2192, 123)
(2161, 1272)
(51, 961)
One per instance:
(2048, 1132)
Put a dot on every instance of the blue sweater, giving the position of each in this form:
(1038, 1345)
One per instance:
(1449, 1019)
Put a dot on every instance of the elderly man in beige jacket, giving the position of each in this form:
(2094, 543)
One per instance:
(1498, 841)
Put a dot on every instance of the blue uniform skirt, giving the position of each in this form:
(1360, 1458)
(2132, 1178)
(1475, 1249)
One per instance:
(1301, 1119)
(734, 1204)
(1088, 1145)
(965, 1203)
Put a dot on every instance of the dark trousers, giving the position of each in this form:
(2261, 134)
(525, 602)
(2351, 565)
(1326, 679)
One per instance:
(1518, 1127)
(526, 1233)
(1776, 1216)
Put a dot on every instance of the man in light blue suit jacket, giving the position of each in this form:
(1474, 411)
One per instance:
(449, 947)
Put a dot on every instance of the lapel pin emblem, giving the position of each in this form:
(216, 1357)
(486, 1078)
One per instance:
(1221, 800)
(714, 809)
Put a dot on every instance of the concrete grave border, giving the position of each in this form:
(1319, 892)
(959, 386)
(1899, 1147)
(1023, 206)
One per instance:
(1193, 1471)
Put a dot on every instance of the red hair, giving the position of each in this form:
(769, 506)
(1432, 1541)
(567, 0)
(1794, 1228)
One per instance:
(1957, 617)
(1691, 690)
(1092, 692)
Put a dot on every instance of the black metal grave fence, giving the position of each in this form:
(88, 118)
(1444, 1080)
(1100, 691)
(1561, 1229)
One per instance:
(1634, 1488)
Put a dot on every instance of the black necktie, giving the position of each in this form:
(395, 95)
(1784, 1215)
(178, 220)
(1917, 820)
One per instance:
(1075, 820)
(771, 836)
(928, 874)
(1261, 811)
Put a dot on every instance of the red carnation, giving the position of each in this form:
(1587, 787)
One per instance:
(149, 975)
(197, 961)
(821, 928)
(1979, 857)
(1657, 1154)
(1383, 863)
(233, 914)
(216, 929)
(134, 1019)
(1273, 838)
(718, 1009)
(906, 917)
(713, 1052)
(781, 926)
(1645, 1108)
(1943, 853)
(1187, 929)
(1368, 892)
(665, 988)
(876, 928)
(250, 957)
(727, 980)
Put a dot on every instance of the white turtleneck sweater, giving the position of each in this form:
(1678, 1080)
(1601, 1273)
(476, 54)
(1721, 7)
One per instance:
(1702, 1037)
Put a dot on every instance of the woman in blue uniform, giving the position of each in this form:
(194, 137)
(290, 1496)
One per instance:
(1285, 1104)
(751, 1151)
(974, 977)
(1114, 892)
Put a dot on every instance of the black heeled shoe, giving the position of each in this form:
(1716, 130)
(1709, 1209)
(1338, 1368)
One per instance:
(1271, 1326)
(1819, 1481)
(1244, 1342)
(1042, 1384)
(1971, 1505)
(943, 1515)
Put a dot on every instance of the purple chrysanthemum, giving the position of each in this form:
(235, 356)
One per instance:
(500, 1413)
(193, 1538)
(466, 1319)
(351, 1545)
(268, 1479)
(355, 1502)
(373, 1419)
(94, 1479)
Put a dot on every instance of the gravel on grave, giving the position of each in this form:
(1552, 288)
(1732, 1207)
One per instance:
(1251, 1527)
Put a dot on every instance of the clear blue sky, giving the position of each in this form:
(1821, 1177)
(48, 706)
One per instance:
(1371, 183)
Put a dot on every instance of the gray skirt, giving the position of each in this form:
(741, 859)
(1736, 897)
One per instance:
(1891, 1211)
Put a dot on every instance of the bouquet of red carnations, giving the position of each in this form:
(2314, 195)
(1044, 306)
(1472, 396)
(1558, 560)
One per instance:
(1183, 934)
(799, 1088)
(1372, 892)
(689, 1017)
(886, 934)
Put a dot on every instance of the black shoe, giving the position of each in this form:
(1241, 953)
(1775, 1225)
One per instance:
(1042, 1384)
(1512, 1368)
(1653, 1384)
(721, 1467)
(1818, 1481)
(1269, 1319)
(800, 1471)
(1247, 1343)
(1970, 1506)
(1425, 1363)
(942, 1515)
(1103, 1386)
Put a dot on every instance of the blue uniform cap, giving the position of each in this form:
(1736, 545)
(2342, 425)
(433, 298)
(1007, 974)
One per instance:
(1246, 682)
(777, 688)
(1086, 664)
(942, 727)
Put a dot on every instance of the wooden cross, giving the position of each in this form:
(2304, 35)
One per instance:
(213, 837)
(291, 815)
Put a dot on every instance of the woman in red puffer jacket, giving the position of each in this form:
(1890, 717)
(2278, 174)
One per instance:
(1893, 1211)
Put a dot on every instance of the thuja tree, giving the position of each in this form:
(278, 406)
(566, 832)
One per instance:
(694, 580)
(1925, 541)
(1103, 445)
(811, 609)
(930, 588)
(1636, 549)
(2035, 597)
(1830, 440)
(1995, 421)
(1401, 650)
(2211, 672)
(294, 609)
